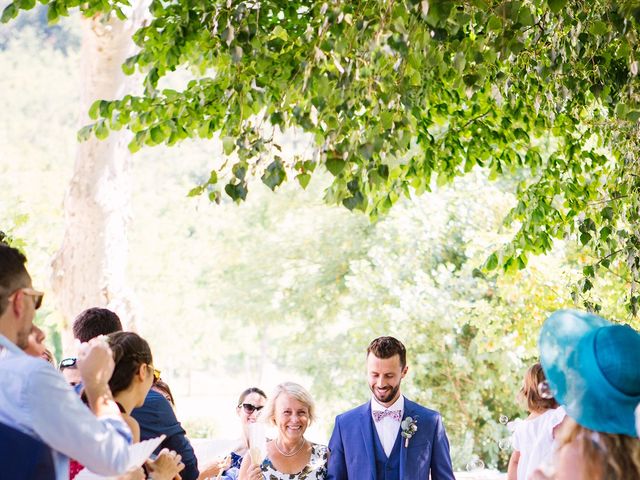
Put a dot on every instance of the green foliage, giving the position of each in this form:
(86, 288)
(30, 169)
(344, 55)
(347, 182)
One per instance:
(399, 95)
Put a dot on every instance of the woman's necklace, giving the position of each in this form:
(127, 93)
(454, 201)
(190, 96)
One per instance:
(275, 442)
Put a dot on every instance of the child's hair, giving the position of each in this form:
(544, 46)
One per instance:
(529, 394)
(129, 352)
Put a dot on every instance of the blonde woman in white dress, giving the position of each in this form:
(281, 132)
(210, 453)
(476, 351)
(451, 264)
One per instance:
(289, 456)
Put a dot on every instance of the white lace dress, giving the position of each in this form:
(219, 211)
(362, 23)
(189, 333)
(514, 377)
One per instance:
(316, 469)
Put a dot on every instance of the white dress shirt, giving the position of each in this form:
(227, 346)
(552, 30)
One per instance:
(35, 399)
(388, 428)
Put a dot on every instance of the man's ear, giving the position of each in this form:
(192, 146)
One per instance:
(17, 304)
(405, 370)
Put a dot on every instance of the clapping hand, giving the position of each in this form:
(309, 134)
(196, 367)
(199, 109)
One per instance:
(95, 362)
(167, 466)
(137, 474)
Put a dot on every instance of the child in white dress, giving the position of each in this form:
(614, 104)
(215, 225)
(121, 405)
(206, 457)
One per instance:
(533, 438)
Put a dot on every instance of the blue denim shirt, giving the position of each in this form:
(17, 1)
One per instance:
(35, 399)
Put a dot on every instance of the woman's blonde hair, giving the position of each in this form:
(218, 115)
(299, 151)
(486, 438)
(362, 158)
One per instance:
(608, 455)
(293, 390)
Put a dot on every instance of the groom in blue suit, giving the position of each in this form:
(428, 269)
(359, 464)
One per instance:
(378, 440)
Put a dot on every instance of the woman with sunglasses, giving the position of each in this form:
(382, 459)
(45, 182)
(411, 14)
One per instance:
(250, 403)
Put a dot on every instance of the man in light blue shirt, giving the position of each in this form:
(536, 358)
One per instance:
(34, 397)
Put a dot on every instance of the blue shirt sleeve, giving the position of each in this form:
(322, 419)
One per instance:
(156, 417)
(35, 399)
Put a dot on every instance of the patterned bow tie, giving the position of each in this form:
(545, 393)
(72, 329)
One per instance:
(393, 414)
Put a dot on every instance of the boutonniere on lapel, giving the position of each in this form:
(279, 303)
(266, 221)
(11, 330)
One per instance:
(409, 426)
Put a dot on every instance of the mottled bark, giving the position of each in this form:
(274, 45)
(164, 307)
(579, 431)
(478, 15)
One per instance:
(90, 267)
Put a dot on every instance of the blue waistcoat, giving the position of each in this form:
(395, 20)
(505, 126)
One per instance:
(387, 468)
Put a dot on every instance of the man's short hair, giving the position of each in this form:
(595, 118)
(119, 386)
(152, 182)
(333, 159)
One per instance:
(13, 273)
(95, 321)
(387, 347)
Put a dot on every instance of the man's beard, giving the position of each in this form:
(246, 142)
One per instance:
(388, 396)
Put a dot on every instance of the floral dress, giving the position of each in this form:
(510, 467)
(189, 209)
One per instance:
(316, 469)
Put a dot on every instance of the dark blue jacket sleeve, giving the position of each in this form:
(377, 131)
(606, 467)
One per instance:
(156, 417)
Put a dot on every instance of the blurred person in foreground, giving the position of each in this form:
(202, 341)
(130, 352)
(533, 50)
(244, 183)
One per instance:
(156, 416)
(389, 436)
(250, 402)
(35, 399)
(289, 456)
(593, 370)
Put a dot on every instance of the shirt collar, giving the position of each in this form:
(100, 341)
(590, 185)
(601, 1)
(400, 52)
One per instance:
(397, 405)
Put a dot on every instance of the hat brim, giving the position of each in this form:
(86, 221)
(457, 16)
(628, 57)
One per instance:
(567, 355)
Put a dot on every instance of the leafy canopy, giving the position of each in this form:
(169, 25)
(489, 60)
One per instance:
(397, 95)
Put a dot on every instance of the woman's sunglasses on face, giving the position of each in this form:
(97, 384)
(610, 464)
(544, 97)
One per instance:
(249, 408)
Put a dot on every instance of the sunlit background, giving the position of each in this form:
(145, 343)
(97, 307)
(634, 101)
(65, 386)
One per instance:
(284, 287)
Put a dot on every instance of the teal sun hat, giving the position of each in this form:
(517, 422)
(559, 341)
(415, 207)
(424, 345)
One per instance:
(593, 369)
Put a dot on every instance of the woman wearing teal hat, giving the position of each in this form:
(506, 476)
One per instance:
(593, 369)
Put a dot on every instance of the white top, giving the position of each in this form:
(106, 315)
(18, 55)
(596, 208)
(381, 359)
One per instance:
(35, 399)
(388, 427)
(534, 440)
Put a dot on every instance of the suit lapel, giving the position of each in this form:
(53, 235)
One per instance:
(367, 437)
(408, 412)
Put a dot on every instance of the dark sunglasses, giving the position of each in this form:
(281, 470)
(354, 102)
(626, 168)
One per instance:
(249, 408)
(68, 362)
(30, 292)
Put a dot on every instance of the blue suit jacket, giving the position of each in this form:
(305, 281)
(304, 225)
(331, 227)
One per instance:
(352, 451)
(23, 457)
(156, 417)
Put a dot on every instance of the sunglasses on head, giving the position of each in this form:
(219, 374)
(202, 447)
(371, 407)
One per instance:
(68, 362)
(249, 408)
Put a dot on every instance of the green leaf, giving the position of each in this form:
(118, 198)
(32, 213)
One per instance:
(236, 192)
(52, 12)
(492, 262)
(598, 28)
(303, 179)
(157, 135)
(556, 5)
(335, 165)
(195, 191)
(9, 13)
(94, 109)
(228, 145)
(274, 174)
(84, 133)
(585, 237)
(101, 130)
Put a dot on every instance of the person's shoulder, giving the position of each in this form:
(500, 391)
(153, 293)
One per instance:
(415, 408)
(354, 412)
(155, 400)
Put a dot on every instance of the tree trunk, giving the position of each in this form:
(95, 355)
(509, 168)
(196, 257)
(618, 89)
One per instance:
(89, 270)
